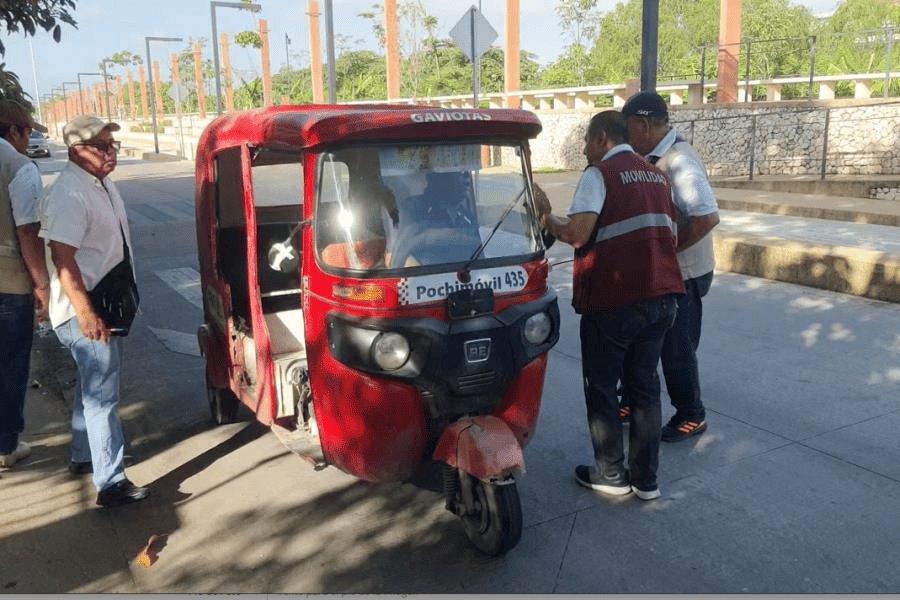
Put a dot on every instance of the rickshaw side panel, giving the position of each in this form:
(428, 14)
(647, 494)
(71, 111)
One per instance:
(370, 427)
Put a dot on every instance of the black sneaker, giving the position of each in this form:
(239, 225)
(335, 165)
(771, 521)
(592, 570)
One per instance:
(121, 492)
(615, 485)
(81, 468)
(679, 429)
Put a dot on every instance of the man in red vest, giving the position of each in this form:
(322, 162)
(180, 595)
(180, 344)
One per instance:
(626, 282)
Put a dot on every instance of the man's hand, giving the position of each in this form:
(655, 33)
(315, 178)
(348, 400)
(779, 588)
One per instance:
(93, 327)
(42, 302)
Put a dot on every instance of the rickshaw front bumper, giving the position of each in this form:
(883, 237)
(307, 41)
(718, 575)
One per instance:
(461, 367)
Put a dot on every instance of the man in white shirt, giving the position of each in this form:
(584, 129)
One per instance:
(647, 120)
(24, 283)
(83, 220)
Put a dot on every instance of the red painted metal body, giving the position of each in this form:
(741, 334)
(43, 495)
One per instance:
(374, 427)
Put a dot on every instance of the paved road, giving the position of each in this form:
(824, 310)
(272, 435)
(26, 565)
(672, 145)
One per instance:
(794, 488)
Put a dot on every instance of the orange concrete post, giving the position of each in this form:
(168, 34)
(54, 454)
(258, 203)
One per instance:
(198, 81)
(264, 59)
(145, 100)
(157, 95)
(729, 50)
(226, 72)
(120, 97)
(173, 66)
(392, 49)
(96, 102)
(315, 53)
(132, 106)
(511, 73)
(285, 100)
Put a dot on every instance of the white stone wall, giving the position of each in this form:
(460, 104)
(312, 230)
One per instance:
(787, 140)
(885, 193)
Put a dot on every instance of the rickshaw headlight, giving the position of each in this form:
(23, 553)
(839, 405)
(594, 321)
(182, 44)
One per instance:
(538, 328)
(390, 351)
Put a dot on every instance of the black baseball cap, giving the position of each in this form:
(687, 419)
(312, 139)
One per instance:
(645, 104)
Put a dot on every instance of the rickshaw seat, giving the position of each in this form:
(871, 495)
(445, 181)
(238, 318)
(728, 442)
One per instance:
(369, 252)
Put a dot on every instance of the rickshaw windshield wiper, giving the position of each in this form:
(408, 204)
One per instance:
(464, 272)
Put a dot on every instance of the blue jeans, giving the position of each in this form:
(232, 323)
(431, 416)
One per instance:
(96, 429)
(625, 341)
(679, 351)
(17, 325)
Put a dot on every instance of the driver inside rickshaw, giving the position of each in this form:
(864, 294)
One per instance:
(437, 226)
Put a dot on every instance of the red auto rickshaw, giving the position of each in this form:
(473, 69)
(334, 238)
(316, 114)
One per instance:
(375, 289)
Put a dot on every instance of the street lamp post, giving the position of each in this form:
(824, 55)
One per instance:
(80, 95)
(215, 40)
(106, 87)
(152, 95)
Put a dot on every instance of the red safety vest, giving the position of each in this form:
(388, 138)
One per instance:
(631, 254)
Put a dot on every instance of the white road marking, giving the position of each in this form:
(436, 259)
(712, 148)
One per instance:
(177, 341)
(185, 281)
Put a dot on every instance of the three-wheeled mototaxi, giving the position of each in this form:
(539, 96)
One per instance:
(374, 284)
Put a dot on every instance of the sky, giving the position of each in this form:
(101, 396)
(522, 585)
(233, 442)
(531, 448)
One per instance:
(109, 26)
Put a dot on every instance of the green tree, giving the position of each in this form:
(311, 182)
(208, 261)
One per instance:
(686, 26)
(360, 74)
(579, 20)
(854, 40)
(248, 38)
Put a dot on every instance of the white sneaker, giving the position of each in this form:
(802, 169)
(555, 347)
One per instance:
(21, 451)
(646, 494)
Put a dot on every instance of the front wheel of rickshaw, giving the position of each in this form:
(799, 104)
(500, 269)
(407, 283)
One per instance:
(493, 521)
(223, 405)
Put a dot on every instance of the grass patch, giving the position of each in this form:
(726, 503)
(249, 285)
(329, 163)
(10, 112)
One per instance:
(544, 170)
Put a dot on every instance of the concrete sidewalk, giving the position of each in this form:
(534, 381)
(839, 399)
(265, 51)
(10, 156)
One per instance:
(843, 244)
(794, 487)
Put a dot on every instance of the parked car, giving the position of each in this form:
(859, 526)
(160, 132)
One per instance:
(38, 145)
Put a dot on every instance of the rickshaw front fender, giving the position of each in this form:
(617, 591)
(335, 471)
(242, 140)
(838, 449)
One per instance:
(483, 446)
(216, 358)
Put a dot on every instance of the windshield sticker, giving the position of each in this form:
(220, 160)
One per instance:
(435, 117)
(428, 288)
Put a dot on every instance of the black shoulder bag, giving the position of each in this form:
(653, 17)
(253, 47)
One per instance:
(115, 297)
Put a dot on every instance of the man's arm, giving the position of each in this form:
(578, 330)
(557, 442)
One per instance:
(576, 231)
(63, 256)
(32, 248)
(694, 229)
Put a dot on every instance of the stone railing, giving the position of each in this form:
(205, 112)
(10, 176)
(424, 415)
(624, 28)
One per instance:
(690, 92)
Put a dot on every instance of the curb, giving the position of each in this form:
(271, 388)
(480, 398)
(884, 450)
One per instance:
(866, 273)
(810, 212)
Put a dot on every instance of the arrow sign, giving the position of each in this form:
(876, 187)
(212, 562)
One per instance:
(484, 35)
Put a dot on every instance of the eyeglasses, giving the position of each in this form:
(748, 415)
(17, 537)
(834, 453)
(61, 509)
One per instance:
(105, 147)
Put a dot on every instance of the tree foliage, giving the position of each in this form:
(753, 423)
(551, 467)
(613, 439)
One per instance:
(28, 17)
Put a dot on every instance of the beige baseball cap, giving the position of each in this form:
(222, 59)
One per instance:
(84, 128)
(15, 113)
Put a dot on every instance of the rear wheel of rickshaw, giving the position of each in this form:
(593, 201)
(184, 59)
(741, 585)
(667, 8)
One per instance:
(493, 522)
(223, 405)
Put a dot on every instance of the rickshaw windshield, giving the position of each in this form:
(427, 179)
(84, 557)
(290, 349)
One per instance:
(423, 206)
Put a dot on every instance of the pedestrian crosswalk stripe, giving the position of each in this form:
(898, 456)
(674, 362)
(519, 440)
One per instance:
(185, 281)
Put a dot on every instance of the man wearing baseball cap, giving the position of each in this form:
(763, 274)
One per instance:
(649, 132)
(85, 225)
(24, 283)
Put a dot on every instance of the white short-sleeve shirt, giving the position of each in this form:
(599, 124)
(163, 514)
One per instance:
(693, 195)
(79, 212)
(590, 193)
